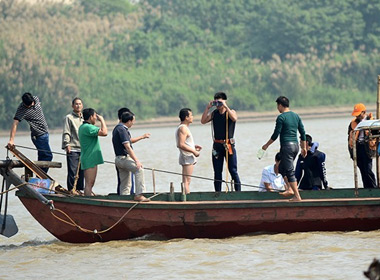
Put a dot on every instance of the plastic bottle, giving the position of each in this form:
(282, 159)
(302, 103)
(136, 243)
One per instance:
(260, 153)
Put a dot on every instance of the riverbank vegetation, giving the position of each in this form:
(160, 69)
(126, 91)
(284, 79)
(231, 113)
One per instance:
(157, 56)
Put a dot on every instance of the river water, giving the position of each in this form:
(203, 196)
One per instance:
(33, 253)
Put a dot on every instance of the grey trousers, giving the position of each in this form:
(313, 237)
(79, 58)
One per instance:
(126, 166)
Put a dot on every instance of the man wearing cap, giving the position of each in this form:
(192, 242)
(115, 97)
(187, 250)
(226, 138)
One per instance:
(363, 160)
(30, 110)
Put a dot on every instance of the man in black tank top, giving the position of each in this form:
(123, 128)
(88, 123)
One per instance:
(223, 128)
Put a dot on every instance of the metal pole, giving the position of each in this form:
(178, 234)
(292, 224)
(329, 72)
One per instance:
(154, 181)
(183, 194)
(377, 139)
(355, 163)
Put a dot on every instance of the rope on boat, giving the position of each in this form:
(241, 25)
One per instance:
(158, 170)
(71, 222)
(12, 189)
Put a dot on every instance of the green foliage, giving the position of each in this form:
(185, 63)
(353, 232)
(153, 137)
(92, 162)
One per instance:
(157, 56)
(105, 7)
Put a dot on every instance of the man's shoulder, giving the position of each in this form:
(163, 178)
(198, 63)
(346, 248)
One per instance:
(319, 153)
(268, 169)
(120, 128)
(183, 128)
(70, 116)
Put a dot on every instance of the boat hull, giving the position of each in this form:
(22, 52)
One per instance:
(200, 218)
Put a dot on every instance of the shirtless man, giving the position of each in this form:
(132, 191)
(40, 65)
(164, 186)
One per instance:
(188, 151)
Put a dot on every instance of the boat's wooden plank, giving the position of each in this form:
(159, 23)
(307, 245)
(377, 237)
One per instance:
(41, 164)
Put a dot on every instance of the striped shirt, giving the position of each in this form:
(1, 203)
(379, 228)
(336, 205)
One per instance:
(34, 116)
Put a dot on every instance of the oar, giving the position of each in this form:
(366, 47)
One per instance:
(8, 225)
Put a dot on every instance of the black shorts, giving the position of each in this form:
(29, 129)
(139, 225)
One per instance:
(288, 151)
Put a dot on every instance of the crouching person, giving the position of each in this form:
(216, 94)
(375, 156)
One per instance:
(126, 160)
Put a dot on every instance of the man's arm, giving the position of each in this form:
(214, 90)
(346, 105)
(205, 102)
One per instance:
(322, 169)
(66, 135)
(13, 134)
(231, 113)
(103, 127)
(267, 144)
(132, 154)
(206, 117)
(277, 131)
(299, 169)
(144, 136)
(302, 132)
(265, 177)
(182, 135)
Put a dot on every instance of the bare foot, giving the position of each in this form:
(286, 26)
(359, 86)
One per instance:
(287, 193)
(295, 199)
(141, 198)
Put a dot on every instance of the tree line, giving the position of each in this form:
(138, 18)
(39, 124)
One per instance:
(157, 56)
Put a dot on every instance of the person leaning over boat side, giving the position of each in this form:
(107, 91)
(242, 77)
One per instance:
(131, 182)
(311, 170)
(126, 159)
(188, 151)
(271, 179)
(71, 144)
(91, 154)
(287, 124)
(218, 118)
(30, 110)
(362, 146)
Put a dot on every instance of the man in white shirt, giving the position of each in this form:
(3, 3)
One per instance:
(271, 179)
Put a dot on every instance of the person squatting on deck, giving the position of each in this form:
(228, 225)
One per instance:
(126, 160)
(188, 151)
(287, 124)
(71, 144)
(223, 143)
(363, 146)
(91, 154)
(131, 182)
(30, 110)
(311, 170)
(271, 179)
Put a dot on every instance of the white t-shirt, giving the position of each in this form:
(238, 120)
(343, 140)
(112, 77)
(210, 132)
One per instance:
(269, 176)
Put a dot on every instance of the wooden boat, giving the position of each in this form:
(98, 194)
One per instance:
(204, 215)
(78, 219)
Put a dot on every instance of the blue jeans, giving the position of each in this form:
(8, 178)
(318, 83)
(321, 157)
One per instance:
(44, 151)
(218, 161)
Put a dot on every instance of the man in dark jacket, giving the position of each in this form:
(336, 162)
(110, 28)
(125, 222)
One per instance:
(311, 170)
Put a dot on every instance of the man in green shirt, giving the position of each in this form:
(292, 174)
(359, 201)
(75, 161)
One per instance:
(91, 155)
(287, 124)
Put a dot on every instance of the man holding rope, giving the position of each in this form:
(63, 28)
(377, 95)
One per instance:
(71, 144)
(223, 127)
(30, 110)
